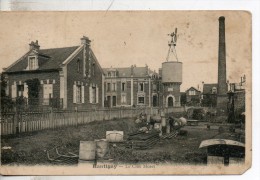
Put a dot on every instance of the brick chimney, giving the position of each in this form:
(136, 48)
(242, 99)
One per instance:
(132, 70)
(87, 61)
(34, 45)
(222, 79)
(85, 40)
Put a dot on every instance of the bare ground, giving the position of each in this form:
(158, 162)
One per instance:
(31, 148)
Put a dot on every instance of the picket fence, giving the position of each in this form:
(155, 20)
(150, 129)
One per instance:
(14, 122)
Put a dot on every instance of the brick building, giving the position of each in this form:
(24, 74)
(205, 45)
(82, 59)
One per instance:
(65, 78)
(236, 100)
(193, 96)
(130, 86)
(209, 95)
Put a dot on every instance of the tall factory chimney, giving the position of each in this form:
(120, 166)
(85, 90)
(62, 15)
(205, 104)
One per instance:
(222, 77)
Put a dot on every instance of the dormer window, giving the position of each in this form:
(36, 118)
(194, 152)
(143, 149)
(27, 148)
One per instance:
(32, 63)
(214, 90)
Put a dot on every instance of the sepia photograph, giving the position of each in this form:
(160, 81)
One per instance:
(126, 92)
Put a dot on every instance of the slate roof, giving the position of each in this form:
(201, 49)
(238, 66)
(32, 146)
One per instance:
(193, 89)
(49, 58)
(207, 88)
(126, 71)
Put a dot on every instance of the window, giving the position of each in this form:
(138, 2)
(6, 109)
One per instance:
(123, 86)
(47, 93)
(141, 87)
(154, 87)
(94, 95)
(141, 100)
(20, 89)
(78, 65)
(113, 86)
(78, 93)
(123, 98)
(108, 87)
(109, 74)
(32, 63)
(192, 92)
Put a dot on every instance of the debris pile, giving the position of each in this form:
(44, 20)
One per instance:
(140, 140)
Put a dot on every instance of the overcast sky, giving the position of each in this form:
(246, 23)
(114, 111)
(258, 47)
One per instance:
(120, 39)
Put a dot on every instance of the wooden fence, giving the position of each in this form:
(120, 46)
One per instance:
(19, 122)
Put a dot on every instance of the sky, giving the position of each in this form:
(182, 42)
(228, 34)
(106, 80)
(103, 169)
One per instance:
(125, 38)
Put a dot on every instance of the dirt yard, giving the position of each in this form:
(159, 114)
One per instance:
(31, 148)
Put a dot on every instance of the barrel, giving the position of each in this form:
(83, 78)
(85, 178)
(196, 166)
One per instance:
(148, 117)
(101, 148)
(156, 118)
(157, 126)
(87, 150)
(114, 136)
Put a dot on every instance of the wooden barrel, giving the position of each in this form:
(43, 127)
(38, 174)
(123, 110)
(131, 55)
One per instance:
(101, 148)
(87, 150)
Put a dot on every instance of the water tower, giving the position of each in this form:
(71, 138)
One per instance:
(171, 74)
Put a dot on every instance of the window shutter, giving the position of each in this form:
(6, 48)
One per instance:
(90, 94)
(14, 91)
(74, 93)
(25, 91)
(96, 94)
(82, 94)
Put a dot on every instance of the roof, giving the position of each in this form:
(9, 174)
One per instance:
(192, 88)
(214, 142)
(126, 71)
(207, 88)
(50, 59)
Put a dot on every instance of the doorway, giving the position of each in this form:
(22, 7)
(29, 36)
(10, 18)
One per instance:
(170, 101)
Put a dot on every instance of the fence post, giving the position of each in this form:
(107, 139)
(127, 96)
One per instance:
(76, 110)
(51, 117)
(16, 128)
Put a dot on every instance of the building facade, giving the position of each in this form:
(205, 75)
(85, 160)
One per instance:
(209, 95)
(193, 96)
(66, 78)
(130, 86)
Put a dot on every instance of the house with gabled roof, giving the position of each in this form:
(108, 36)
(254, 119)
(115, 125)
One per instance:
(193, 96)
(67, 77)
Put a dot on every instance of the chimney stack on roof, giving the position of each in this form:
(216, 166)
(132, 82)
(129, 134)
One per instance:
(85, 40)
(34, 45)
(132, 70)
